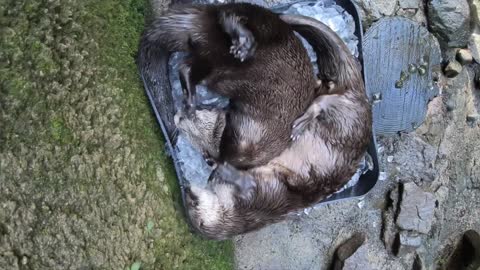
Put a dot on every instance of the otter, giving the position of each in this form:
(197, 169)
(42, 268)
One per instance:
(248, 54)
(330, 139)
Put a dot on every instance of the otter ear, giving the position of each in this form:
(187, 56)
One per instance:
(190, 197)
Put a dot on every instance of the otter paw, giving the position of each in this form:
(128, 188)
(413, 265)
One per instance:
(243, 47)
(300, 125)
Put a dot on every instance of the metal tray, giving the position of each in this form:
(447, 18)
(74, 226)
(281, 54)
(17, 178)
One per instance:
(158, 89)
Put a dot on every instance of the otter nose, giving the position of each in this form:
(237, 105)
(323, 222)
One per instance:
(191, 198)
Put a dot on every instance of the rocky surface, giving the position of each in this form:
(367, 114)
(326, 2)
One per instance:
(416, 209)
(349, 253)
(372, 10)
(451, 21)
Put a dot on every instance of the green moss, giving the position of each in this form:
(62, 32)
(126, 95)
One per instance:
(179, 249)
(79, 135)
(60, 133)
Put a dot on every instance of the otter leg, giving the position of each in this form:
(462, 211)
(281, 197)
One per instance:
(243, 42)
(189, 89)
(243, 182)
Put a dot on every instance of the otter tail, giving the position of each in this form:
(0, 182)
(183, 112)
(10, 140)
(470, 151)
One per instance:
(335, 60)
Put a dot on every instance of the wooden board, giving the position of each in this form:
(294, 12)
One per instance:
(401, 60)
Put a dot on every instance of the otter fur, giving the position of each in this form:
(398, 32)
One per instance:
(331, 138)
(246, 53)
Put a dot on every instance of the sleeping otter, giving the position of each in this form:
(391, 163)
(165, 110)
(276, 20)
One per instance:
(248, 54)
(331, 138)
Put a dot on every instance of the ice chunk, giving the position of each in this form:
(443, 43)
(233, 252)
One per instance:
(333, 16)
(191, 162)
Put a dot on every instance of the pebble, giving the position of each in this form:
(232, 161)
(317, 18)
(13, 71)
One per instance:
(390, 159)
(464, 56)
(452, 69)
(360, 204)
(473, 117)
(377, 97)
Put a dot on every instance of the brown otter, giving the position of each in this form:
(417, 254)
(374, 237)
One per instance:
(248, 54)
(331, 138)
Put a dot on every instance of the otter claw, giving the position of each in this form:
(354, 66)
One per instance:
(243, 47)
(299, 126)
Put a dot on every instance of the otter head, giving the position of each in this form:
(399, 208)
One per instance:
(204, 130)
(208, 210)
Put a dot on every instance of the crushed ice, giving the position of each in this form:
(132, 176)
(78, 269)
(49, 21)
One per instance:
(191, 162)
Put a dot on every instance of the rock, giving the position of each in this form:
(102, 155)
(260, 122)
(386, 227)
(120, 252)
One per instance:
(450, 20)
(409, 3)
(372, 10)
(476, 77)
(359, 260)
(419, 166)
(346, 250)
(416, 209)
(408, 12)
(441, 194)
(474, 45)
(475, 12)
(407, 242)
(452, 69)
(473, 118)
(464, 56)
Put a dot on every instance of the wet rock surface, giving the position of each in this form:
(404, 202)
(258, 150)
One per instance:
(451, 21)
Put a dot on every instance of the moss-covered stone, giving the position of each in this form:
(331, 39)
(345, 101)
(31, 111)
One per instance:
(84, 178)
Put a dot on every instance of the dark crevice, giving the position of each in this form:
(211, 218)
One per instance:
(399, 200)
(466, 255)
(396, 244)
(417, 263)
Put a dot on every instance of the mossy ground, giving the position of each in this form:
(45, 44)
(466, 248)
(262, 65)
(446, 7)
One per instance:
(84, 179)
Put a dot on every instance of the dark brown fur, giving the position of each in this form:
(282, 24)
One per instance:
(268, 90)
(331, 139)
